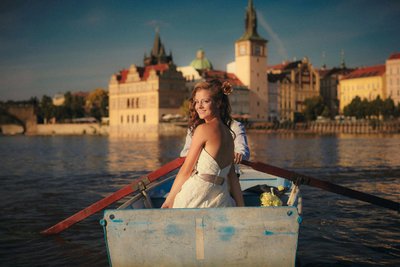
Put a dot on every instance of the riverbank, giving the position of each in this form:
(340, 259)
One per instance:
(330, 127)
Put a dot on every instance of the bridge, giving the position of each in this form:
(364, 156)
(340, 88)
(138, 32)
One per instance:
(21, 114)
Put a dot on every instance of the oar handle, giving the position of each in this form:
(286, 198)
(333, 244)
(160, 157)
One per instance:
(126, 190)
(311, 181)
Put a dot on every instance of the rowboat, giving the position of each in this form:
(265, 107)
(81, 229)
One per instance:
(139, 233)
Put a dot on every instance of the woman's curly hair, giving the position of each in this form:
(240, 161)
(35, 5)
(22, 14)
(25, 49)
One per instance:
(219, 94)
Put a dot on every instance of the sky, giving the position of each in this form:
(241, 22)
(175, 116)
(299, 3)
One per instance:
(54, 46)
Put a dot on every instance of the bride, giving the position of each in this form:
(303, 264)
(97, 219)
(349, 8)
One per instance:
(207, 177)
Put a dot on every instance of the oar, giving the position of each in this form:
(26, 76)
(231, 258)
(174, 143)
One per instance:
(126, 190)
(307, 180)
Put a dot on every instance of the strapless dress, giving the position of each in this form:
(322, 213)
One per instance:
(207, 187)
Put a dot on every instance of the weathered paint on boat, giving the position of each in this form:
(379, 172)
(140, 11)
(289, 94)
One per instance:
(137, 234)
(248, 236)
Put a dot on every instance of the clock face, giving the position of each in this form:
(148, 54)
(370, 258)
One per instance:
(242, 50)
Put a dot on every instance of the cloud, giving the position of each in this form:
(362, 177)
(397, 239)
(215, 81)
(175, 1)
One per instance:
(275, 38)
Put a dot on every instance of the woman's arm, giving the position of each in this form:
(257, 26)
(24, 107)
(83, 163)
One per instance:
(235, 189)
(198, 142)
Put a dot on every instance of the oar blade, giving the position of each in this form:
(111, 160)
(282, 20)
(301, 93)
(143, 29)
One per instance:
(101, 204)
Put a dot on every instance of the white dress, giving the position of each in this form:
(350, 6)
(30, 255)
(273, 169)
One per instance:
(198, 193)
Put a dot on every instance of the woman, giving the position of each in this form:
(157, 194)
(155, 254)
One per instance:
(207, 178)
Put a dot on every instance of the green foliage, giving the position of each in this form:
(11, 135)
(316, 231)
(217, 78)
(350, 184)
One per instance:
(46, 109)
(314, 107)
(97, 104)
(74, 106)
(185, 107)
(377, 108)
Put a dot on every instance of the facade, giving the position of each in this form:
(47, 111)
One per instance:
(140, 96)
(199, 71)
(367, 83)
(239, 99)
(296, 81)
(393, 77)
(274, 82)
(329, 86)
(250, 63)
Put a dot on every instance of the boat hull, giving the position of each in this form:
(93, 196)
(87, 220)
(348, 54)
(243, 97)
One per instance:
(239, 236)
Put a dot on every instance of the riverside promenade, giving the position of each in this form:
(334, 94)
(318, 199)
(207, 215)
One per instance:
(329, 127)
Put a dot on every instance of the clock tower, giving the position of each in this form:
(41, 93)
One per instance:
(250, 63)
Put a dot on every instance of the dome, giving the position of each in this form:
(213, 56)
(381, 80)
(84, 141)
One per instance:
(201, 62)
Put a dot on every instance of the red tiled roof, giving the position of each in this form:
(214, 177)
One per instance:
(223, 76)
(378, 70)
(123, 74)
(143, 72)
(277, 67)
(158, 68)
(394, 56)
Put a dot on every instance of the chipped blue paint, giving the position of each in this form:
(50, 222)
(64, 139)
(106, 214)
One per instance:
(268, 233)
(173, 230)
(117, 221)
(299, 219)
(226, 233)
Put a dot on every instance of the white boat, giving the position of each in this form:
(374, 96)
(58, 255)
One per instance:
(139, 233)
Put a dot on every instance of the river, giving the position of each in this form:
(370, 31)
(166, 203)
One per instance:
(46, 179)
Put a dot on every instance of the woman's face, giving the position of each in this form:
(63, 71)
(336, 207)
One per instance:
(204, 105)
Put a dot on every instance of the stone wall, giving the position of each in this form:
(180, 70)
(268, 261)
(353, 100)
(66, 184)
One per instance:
(363, 127)
(71, 129)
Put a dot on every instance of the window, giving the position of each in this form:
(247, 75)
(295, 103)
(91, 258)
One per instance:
(257, 50)
(144, 118)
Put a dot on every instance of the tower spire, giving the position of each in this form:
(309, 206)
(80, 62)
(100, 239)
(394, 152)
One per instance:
(342, 64)
(250, 24)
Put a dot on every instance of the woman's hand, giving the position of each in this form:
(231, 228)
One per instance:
(237, 158)
(167, 204)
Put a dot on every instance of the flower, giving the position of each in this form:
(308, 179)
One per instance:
(270, 199)
(227, 88)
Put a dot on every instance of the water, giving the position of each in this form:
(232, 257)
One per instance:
(46, 179)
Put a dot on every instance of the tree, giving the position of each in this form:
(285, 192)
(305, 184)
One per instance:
(46, 109)
(97, 104)
(388, 108)
(185, 107)
(73, 106)
(377, 106)
(313, 107)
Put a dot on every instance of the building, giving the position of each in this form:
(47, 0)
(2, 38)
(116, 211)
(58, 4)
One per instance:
(140, 96)
(367, 83)
(239, 99)
(201, 63)
(274, 82)
(250, 63)
(202, 71)
(329, 86)
(295, 82)
(58, 99)
(393, 77)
